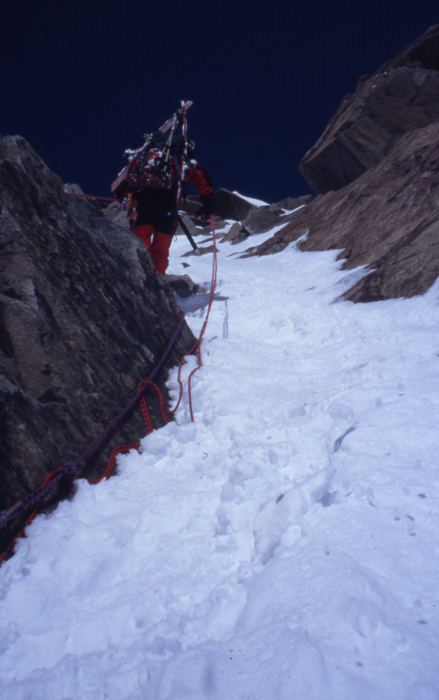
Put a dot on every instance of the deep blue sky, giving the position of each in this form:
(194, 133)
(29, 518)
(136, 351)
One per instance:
(81, 81)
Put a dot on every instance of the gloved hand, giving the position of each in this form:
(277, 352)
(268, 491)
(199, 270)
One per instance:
(207, 207)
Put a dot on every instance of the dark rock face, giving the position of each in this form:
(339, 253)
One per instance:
(402, 96)
(231, 206)
(259, 221)
(263, 219)
(83, 318)
(183, 285)
(387, 220)
(424, 50)
(234, 234)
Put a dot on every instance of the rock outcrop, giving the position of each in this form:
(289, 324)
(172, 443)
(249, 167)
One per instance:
(377, 164)
(229, 205)
(424, 50)
(83, 318)
(402, 96)
(290, 203)
(387, 220)
(259, 221)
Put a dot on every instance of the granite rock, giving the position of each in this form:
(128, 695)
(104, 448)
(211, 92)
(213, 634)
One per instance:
(231, 206)
(402, 96)
(387, 221)
(83, 318)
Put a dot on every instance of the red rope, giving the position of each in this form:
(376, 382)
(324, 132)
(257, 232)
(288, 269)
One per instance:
(120, 449)
(91, 196)
(123, 449)
(196, 345)
(144, 408)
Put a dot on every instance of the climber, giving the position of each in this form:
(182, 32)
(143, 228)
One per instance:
(150, 192)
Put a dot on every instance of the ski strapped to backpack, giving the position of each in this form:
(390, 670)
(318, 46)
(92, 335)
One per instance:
(135, 154)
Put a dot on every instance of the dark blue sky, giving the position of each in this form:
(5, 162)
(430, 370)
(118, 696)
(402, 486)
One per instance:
(81, 81)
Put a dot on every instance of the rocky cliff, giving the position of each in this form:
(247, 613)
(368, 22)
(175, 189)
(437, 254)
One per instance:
(401, 96)
(387, 220)
(382, 208)
(83, 318)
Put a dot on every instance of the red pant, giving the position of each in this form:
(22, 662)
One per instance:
(158, 248)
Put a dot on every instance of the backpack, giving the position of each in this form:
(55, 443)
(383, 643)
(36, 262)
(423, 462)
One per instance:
(156, 167)
(159, 140)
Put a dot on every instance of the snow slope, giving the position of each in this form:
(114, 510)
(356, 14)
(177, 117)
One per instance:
(284, 545)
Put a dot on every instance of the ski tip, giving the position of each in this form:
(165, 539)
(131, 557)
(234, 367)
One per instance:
(185, 105)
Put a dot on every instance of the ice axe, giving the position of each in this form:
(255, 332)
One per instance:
(187, 234)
